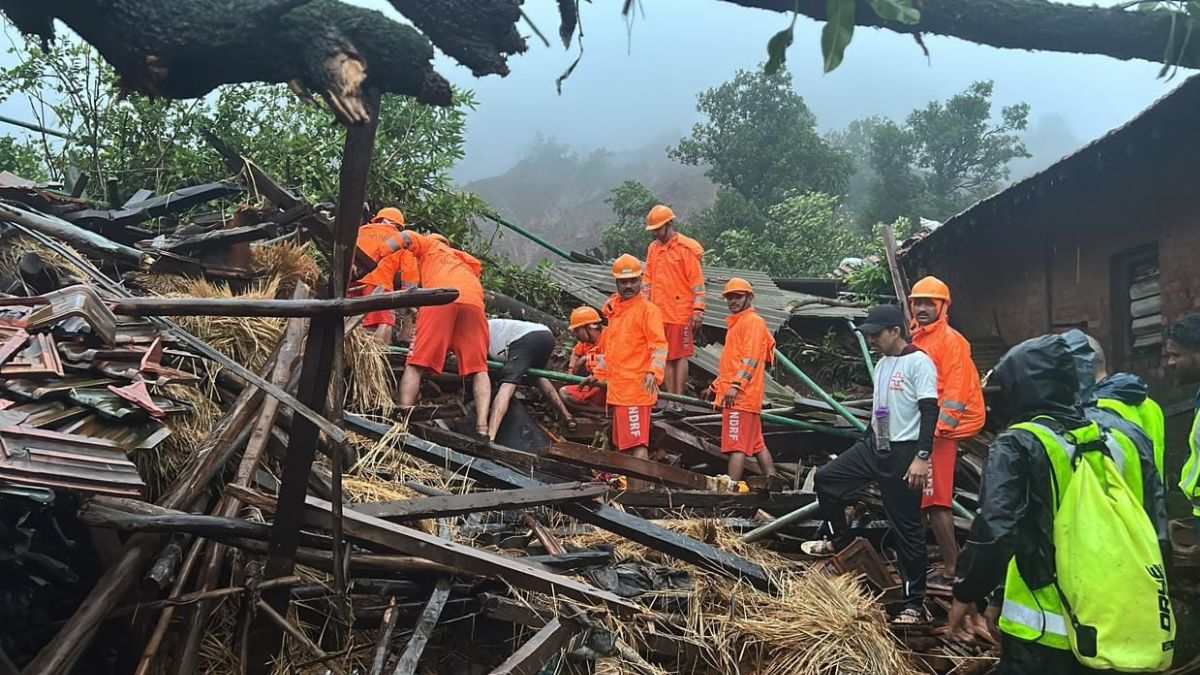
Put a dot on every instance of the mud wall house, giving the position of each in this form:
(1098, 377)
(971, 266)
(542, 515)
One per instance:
(1106, 239)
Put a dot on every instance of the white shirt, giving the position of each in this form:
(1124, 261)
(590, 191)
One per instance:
(504, 332)
(901, 381)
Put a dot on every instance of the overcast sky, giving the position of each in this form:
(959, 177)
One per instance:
(635, 87)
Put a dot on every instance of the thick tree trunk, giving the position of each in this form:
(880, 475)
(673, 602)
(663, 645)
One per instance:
(1025, 24)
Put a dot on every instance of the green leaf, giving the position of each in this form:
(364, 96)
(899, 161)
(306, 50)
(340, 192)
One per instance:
(777, 50)
(838, 31)
(900, 11)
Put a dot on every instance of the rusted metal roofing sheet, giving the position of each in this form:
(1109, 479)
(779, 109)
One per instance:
(40, 458)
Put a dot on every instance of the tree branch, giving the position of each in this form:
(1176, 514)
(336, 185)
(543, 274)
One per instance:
(479, 34)
(1024, 24)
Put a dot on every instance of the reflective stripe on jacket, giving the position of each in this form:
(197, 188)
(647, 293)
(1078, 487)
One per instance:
(674, 279)
(402, 263)
(1148, 417)
(634, 344)
(749, 347)
(1189, 480)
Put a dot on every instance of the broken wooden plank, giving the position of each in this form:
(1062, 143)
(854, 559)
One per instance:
(72, 234)
(520, 574)
(532, 656)
(339, 307)
(500, 500)
(407, 665)
(715, 501)
(637, 529)
(153, 207)
(594, 458)
(385, 641)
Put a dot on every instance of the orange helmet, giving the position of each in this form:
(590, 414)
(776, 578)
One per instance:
(584, 316)
(627, 267)
(930, 287)
(659, 215)
(738, 285)
(391, 214)
(440, 237)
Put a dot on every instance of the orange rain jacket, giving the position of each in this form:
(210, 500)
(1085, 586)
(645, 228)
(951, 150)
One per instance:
(960, 395)
(372, 239)
(584, 356)
(442, 267)
(674, 278)
(633, 344)
(749, 347)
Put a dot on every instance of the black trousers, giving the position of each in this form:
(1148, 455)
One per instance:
(1027, 658)
(844, 477)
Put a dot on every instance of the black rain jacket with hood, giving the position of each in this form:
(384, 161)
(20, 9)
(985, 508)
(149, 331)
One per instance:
(1037, 378)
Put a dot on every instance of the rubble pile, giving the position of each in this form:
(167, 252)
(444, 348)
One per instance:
(146, 464)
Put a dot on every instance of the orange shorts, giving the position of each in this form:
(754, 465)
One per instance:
(381, 317)
(680, 344)
(741, 431)
(458, 328)
(630, 426)
(581, 395)
(939, 489)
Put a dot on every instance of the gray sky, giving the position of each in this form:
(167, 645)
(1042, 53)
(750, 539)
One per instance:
(636, 87)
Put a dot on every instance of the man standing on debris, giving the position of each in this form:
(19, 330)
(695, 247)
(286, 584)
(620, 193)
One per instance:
(741, 385)
(960, 400)
(675, 284)
(394, 270)
(1013, 540)
(460, 327)
(894, 454)
(588, 331)
(521, 345)
(633, 360)
(1183, 358)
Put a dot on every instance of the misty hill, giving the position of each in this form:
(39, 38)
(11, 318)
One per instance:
(560, 194)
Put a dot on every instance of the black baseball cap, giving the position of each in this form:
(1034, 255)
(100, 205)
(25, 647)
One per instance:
(880, 318)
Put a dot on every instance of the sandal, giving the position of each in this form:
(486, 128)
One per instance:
(911, 616)
(818, 548)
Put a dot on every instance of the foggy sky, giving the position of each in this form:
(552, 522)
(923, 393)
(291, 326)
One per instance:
(639, 86)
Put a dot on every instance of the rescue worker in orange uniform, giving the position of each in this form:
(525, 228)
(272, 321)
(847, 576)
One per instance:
(394, 270)
(675, 284)
(742, 382)
(633, 361)
(460, 327)
(960, 402)
(586, 327)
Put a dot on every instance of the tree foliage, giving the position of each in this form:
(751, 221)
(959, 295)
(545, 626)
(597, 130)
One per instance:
(760, 139)
(630, 202)
(158, 144)
(941, 159)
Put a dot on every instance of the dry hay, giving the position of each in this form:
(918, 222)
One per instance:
(810, 624)
(15, 245)
(288, 263)
(370, 383)
(160, 466)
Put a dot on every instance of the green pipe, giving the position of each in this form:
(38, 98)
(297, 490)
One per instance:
(866, 351)
(767, 417)
(821, 393)
(527, 234)
(34, 127)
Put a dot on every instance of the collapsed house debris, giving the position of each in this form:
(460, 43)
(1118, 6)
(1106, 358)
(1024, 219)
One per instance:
(221, 494)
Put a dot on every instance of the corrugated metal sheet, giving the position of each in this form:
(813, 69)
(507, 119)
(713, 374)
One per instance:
(708, 359)
(39, 458)
(593, 284)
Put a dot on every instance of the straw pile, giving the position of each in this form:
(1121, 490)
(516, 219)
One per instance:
(16, 244)
(811, 624)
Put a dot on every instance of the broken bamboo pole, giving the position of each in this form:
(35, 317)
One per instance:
(901, 288)
(821, 393)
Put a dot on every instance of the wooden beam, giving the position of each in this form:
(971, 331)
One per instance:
(340, 307)
(500, 500)
(637, 529)
(407, 665)
(594, 458)
(532, 656)
(715, 501)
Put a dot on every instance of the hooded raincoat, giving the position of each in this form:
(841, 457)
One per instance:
(960, 396)
(634, 344)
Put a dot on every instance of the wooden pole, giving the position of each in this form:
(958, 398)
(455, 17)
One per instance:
(889, 242)
(322, 353)
(407, 665)
(389, 626)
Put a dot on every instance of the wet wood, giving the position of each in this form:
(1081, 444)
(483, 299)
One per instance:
(339, 307)
(298, 635)
(500, 500)
(593, 458)
(407, 665)
(627, 525)
(533, 655)
(385, 640)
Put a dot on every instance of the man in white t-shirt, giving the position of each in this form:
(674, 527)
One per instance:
(894, 455)
(521, 345)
